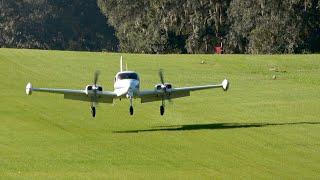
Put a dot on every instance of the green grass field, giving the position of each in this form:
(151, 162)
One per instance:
(261, 128)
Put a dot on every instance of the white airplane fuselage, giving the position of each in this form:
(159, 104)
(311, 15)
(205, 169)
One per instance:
(126, 84)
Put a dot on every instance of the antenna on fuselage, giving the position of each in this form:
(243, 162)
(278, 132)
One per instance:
(121, 64)
(126, 67)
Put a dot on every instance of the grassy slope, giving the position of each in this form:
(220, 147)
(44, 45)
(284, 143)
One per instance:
(260, 128)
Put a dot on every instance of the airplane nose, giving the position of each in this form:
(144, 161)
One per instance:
(128, 87)
(132, 84)
(132, 88)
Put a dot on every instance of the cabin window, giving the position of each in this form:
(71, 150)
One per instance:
(128, 76)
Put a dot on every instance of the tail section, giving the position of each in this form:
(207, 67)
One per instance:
(121, 64)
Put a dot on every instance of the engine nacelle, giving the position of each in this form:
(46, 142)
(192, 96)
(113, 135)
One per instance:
(158, 87)
(167, 87)
(90, 88)
(100, 88)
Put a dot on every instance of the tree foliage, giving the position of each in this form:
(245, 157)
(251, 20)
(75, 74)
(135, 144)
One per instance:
(162, 26)
(49, 24)
(165, 26)
(272, 26)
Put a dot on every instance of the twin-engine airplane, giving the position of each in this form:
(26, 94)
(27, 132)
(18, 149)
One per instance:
(126, 85)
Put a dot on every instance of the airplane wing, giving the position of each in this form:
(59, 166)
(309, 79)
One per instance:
(154, 95)
(80, 95)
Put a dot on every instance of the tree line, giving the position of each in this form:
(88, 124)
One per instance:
(162, 26)
(51, 24)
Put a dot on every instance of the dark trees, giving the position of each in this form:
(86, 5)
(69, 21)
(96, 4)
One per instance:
(272, 26)
(49, 24)
(164, 26)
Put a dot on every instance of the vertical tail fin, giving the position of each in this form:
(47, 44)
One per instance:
(121, 64)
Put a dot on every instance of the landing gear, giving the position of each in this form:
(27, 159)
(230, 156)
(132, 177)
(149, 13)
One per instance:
(131, 107)
(93, 111)
(131, 110)
(161, 110)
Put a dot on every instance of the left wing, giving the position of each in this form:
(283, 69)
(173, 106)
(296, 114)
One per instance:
(80, 95)
(154, 95)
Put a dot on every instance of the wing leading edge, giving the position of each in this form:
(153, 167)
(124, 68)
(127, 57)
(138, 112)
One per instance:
(154, 95)
(80, 95)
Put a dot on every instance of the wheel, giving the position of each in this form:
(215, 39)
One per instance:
(161, 110)
(93, 111)
(131, 110)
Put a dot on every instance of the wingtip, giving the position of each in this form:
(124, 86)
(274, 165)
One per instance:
(225, 84)
(29, 89)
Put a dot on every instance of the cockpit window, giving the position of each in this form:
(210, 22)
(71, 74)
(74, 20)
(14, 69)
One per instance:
(128, 76)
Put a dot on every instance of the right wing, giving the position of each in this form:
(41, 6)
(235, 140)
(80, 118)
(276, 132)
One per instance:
(154, 95)
(80, 95)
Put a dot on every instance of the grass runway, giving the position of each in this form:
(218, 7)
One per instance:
(261, 128)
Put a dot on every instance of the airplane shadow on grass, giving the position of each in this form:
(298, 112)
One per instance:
(190, 127)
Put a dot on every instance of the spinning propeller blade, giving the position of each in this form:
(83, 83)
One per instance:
(166, 96)
(96, 76)
(95, 80)
(161, 76)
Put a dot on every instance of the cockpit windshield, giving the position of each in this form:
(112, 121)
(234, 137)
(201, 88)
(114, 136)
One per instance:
(128, 76)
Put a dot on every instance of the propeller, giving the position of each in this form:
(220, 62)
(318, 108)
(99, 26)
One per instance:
(95, 80)
(163, 86)
(96, 76)
(161, 76)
